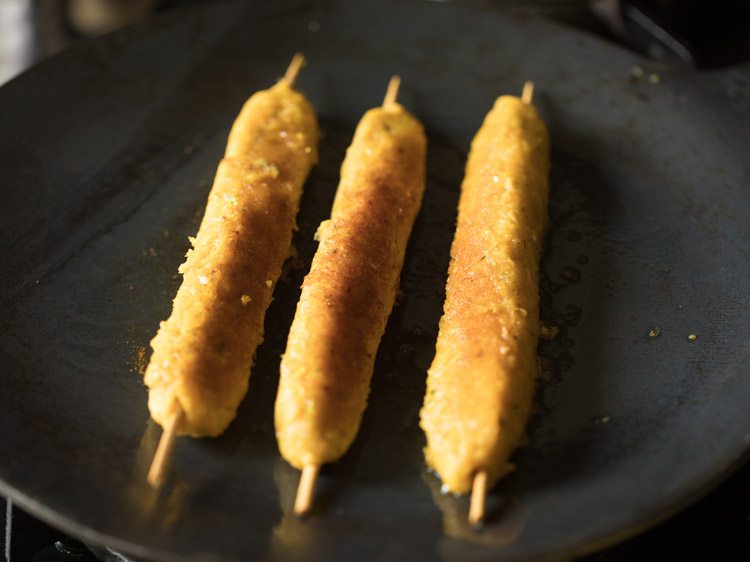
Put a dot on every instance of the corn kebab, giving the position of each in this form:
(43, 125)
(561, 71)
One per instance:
(481, 382)
(348, 294)
(199, 369)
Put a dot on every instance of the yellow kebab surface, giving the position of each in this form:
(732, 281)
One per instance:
(481, 383)
(348, 294)
(203, 353)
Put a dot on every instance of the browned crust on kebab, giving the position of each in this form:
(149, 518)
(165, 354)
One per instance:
(481, 382)
(349, 292)
(203, 353)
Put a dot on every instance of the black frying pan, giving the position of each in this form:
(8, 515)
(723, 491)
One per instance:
(107, 153)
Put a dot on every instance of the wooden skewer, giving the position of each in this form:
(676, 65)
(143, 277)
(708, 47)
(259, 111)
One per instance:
(528, 92)
(478, 495)
(392, 92)
(298, 61)
(303, 502)
(164, 449)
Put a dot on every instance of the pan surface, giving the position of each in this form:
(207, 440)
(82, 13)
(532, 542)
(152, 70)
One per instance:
(108, 151)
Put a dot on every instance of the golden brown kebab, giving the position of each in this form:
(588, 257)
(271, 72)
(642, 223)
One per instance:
(481, 382)
(350, 290)
(199, 370)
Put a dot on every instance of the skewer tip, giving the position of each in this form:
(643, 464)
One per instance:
(528, 92)
(392, 92)
(159, 465)
(303, 502)
(298, 61)
(477, 502)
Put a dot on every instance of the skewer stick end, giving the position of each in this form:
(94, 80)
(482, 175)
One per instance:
(528, 92)
(298, 61)
(392, 92)
(158, 469)
(306, 489)
(477, 502)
